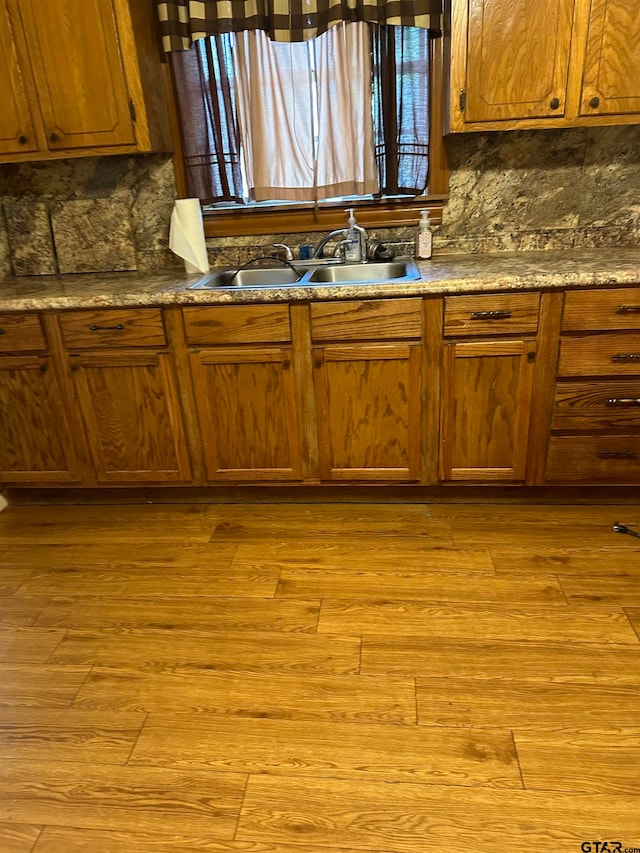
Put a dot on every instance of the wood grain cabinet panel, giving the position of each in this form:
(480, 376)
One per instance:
(131, 411)
(486, 411)
(594, 459)
(368, 406)
(17, 129)
(237, 324)
(112, 327)
(21, 332)
(549, 63)
(613, 354)
(366, 319)
(518, 59)
(596, 420)
(81, 77)
(601, 310)
(247, 409)
(36, 444)
(491, 314)
(84, 102)
(611, 79)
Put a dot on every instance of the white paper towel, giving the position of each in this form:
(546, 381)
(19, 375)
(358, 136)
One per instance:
(186, 235)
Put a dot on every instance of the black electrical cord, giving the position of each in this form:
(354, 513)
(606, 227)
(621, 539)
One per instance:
(622, 528)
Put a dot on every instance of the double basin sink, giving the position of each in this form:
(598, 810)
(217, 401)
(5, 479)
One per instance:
(312, 273)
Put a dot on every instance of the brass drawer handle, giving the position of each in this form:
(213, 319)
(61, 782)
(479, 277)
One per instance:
(621, 356)
(94, 328)
(628, 309)
(623, 401)
(490, 315)
(617, 454)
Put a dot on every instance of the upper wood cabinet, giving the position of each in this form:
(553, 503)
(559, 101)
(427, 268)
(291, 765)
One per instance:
(552, 63)
(82, 77)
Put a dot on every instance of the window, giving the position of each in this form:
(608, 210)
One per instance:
(400, 79)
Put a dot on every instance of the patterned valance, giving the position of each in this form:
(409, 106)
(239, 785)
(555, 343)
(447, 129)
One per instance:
(184, 21)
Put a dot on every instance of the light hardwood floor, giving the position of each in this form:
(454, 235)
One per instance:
(319, 678)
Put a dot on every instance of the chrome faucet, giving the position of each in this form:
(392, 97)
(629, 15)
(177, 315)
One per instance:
(318, 251)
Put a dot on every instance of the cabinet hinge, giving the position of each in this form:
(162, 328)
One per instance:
(462, 99)
(132, 111)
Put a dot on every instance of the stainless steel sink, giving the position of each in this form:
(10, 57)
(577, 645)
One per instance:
(310, 274)
(262, 277)
(351, 273)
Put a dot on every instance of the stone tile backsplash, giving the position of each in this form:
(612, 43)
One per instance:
(509, 191)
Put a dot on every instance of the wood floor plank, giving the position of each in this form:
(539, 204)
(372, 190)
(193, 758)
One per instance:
(40, 685)
(419, 586)
(303, 697)
(356, 751)
(28, 645)
(290, 521)
(18, 837)
(633, 615)
(412, 818)
(598, 761)
(478, 703)
(12, 577)
(613, 590)
(68, 735)
(21, 610)
(153, 583)
(563, 561)
(72, 840)
(109, 797)
(262, 652)
(182, 613)
(379, 554)
(162, 555)
(531, 531)
(502, 660)
(535, 622)
(93, 524)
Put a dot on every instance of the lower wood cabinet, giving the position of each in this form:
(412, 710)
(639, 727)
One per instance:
(132, 416)
(36, 444)
(480, 389)
(368, 408)
(486, 411)
(247, 411)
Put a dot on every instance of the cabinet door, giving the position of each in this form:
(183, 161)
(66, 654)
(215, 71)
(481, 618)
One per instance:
(611, 79)
(368, 402)
(486, 410)
(79, 74)
(36, 444)
(132, 416)
(517, 58)
(248, 413)
(17, 131)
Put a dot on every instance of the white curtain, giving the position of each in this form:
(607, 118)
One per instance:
(306, 138)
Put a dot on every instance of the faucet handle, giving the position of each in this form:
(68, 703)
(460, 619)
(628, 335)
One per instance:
(288, 254)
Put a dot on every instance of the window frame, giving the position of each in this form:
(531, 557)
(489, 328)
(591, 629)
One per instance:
(324, 216)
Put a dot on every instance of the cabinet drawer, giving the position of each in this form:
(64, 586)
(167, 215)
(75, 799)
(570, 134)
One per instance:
(491, 314)
(604, 404)
(138, 327)
(601, 309)
(237, 324)
(370, 319)
(20, 332)
(594, 459)
(600, 355)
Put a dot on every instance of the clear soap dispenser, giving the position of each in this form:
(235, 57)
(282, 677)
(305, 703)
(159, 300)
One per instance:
(424, 237)
(353, 243)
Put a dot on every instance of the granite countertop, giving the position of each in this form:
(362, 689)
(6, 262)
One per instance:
(444, 274)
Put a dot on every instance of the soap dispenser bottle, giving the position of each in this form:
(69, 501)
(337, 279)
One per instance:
(353, 243)
(424, 237)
